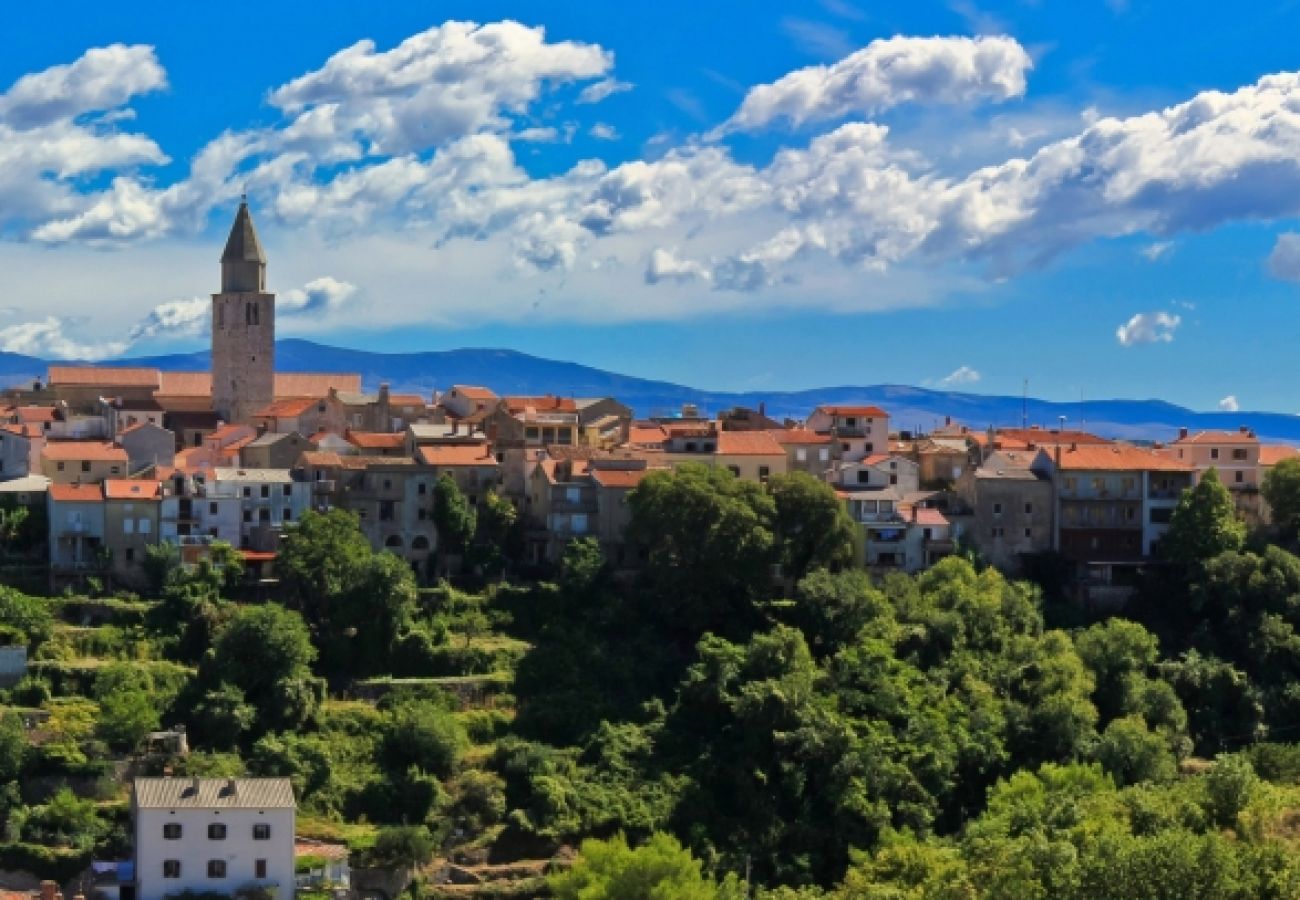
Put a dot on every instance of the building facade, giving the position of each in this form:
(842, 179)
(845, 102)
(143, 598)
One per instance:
(243, 327)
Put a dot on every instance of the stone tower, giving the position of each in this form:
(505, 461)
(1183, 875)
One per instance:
(243, 327)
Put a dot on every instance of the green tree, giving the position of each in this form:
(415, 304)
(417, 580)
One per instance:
(711, 547)
(452, 516)
(812, 526)
(1132, 753)
(406, 846)
(422, 735)
(498, 535)
(266, 652)
(1230, 786)
(1205, 523)
(660, 869)
(28, 616)
(13, 747)
(125, 717)
(1281, 489)
(1115, 651)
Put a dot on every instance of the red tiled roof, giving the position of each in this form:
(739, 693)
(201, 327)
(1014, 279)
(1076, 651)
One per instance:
(103, 376)
(548, 403)
(226, 432)
(1220, 437)
(875, 459)
(315, 384)
(285, 407)
(79, 450)
(620, 478)
(1272, 454)
(131, 489)
(76, 493)
(748, 443)
(320, 458)
(23, 431)
(376, 440)
(799, 436)
(925, 516)
(185, 384)
(1117, 458)
(1022, 438)
(456, 455)
(473, 392)
(28, 414)
(870, 411)
(641, 433)
(405, 400)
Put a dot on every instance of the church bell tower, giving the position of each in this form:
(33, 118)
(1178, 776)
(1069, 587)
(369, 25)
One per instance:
(243, 327)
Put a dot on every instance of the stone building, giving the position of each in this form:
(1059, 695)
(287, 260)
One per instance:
(243, 327)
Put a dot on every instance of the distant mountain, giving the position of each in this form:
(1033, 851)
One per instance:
(509, 372)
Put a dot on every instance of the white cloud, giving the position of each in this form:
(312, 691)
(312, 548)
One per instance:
(962, 375)
(606, 87)
(102, 79)
(321, 295)
(537, 135)
(1157, 250)
(603, 132)
(1284, 260)
(1229, 404)
(47, 337)
(176, 318)
(886, 73)
(1148, 328)
(666, 265)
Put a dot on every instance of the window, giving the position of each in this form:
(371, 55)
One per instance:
(863, 476)
(217, 831)
(248, 515)
(261, 832)
(763, 472)
(288, 490)
(248, 491)
(259, 868)
(734, 470)
(851, 422)
(997, 509)
(216, 868)
(85, 465)
(844, 447)
(130, 554)
(1214, 453)
(263, 515)
(172, 831)
(1029, 532)
(266, 491)
(287, 514)
(868, 446)
(1029, 509)
(801, 454)
(128, 526)
(422, 488)
(1239, 454)
(893, 479)
(212, 509)
(691, 447)
(823, 454)
(1240, 477)
(60, 467)
(388, 484)
(145, 526)
(171, 868)
(997, 532)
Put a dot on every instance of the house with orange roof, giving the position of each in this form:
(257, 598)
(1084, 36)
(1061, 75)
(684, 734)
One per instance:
(377, 443)
(75, 516)
(132, 519)
(468, 400)
(751, 455)
(474, 467)
(1235, 456)
(274, 450)
(1010, 502)
(1113, 501)
(856, 431)
(305, 415)
(805, 450)
(880, 470)
(68, 462)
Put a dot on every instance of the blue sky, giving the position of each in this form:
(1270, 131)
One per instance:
(1099, 197)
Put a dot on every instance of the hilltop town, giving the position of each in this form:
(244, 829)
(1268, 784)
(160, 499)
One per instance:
(266, 633)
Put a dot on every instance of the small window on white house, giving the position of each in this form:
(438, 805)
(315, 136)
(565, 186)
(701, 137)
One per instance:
(801, 454)
(261, 832)
(172, 831)
(171, 868)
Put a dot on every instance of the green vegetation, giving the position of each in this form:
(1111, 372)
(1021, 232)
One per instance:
(700, 729)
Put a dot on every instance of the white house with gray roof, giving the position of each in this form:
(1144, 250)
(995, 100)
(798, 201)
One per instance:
(213, 834)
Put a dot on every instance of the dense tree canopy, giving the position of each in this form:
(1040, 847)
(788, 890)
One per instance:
(1205, 523)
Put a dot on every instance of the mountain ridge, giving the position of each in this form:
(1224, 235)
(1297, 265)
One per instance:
(513, 372)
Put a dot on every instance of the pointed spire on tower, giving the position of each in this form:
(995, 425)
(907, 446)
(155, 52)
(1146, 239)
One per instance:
(243, 262)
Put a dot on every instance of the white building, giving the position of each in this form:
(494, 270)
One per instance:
(213, 834)
(270, 500)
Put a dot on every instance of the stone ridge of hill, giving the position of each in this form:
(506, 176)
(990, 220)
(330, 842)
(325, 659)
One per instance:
(910, 408)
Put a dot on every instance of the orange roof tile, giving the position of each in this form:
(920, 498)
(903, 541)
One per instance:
(799, 436)
(1117, 458)
(76, 493)
(926, 516)
(315, 384)
(870, 411)
(28, 414)
(548, 403)
(640, 433)
(405, 400)
(285, 407)
(185, 384)
(1272, 454)
(226, 432)
(103, 376)
(473, 392)
(320, 458)
(79, 450)
(1040, 437)
(748, 443)
(1220, 437)
(375, 440)
(23, 431)
(456, 455)
(131, 489)
(620, 478)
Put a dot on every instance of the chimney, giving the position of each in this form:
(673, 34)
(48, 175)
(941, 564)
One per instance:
(947, 420)
(1182, 434)
(383, 392)
(1243, 429)
(762, 407)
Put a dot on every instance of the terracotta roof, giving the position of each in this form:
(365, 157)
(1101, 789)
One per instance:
(131, 489)
(641, 433)
(620, 478)
(473, 392)
(1010, 438)
(185, 384)
(875, 459)
(869, 411)
(257, 555)
(23, 431)
(456, 455)
(1117, 458)
(212, 793)
(405, 400)
(240, 444)
(927, 516)
(314, 384)
(748, 443)
(320, 458)
(799, 436)
(285, 407)
(79, 450)
(1272, 454)
(548, 403)
(376, 440)
(1220, 437)
(103, 376)
(28, 414)
(76, 493)
(226, 432)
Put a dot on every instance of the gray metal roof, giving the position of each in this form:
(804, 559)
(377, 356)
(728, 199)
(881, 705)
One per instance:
(213, 793)
(243, 245)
